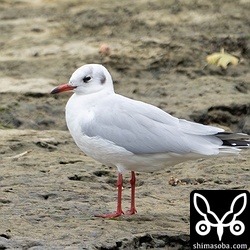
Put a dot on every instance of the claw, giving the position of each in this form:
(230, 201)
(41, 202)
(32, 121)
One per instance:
(109, 216)
(131, 211)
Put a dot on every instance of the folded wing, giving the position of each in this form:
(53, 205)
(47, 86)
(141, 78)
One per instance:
(144, 129)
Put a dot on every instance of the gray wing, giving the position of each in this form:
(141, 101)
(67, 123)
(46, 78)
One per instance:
(144, 129)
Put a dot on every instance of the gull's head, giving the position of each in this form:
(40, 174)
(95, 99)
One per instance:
(88, 79)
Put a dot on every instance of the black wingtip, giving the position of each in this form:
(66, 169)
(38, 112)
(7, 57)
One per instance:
(239, 140)
(236, 143)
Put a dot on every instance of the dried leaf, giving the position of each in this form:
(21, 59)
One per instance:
(222, 59)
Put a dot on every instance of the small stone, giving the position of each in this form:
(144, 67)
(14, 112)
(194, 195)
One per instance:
(104, 49)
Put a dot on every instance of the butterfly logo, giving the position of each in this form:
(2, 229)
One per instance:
(203, 227)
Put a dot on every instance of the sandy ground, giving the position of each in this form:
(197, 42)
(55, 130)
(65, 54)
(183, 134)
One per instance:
(49, 190)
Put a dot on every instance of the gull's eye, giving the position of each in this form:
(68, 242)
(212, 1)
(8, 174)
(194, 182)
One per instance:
(86, 79)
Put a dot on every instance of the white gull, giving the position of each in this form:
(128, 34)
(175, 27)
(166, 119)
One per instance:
(133, 135)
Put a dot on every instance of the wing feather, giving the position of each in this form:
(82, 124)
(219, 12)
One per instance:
(144, 129)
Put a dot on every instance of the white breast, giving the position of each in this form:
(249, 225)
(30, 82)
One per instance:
(78, 112)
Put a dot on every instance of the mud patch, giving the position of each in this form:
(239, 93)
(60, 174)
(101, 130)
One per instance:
(149, 241)
(236, 117)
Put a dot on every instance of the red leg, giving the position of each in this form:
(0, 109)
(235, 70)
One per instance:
(119, 211)
(132, 183)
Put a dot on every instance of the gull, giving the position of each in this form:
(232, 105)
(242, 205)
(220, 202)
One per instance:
(132, 135)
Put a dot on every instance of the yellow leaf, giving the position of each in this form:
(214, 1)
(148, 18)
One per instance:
(222, 59)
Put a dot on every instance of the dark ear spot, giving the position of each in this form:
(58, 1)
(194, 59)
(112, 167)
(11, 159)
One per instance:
(103, 79)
